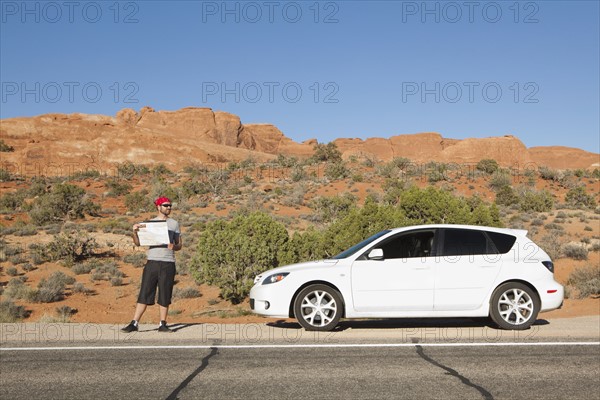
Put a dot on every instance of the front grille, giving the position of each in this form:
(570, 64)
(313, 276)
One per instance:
(252, 304)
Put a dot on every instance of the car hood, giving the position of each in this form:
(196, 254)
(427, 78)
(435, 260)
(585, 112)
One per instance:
(300, 266)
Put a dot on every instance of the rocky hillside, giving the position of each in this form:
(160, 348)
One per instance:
(56, 144)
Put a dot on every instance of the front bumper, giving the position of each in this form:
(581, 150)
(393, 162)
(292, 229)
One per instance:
(271, 300)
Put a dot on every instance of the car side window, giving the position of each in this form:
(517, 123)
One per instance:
(408, 245)
(463, 242)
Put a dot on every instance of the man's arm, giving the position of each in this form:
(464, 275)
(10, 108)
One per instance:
(136, 239)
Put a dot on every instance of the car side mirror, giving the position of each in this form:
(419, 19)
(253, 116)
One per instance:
(375, 254)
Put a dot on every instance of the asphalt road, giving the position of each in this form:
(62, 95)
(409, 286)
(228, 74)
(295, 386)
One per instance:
(419, 372)
(554, 360)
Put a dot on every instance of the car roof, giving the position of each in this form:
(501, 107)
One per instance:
(514, 232)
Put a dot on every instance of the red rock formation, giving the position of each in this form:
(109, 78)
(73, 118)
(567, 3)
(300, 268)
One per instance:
(55, 144)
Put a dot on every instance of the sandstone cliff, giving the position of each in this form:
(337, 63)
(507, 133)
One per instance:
(55, 144)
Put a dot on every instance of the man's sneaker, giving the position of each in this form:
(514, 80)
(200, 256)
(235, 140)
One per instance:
(164, 328)
(132, 327)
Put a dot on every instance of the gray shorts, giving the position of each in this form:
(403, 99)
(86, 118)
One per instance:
(159, 274)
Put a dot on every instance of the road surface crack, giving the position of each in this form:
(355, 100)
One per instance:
(213, 352)
(486, 395)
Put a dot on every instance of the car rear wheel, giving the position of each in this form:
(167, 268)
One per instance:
(514, 306)
(318, 308)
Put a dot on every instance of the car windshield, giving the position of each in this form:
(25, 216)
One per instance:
(356, 247)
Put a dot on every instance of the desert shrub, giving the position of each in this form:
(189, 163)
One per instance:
(552, 244)
(286, 161)
(437, 206)
(12, 201)
(64, 313)
(116, 281)
(506, 196)
(487, 165)
(52, 289)
(575, 251)
(330, 208)
(579, 197)
(128, 170)
(531, 200)
(11, 271)
(85, 267)
(70, 247)
(304, 246)
(189, 292)
(160, 170)
(549, 174)
(118, 188)
(17, 289)
(5, 175)
(138, 260)
(336, 170)
(10, 312)
(499, 180)
(106, 271)
(393, 188)
(230, 254)
(586, 280)
(63, 202)
(326, 153)
(79, 287)
(140, 201)
(4, 148)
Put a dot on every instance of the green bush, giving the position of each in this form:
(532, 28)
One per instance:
(137, 202)
(127, 170)
(17, 289)
(487, 165)
(230, 254)
(138, 260)
(4, 148)
(329, 208)
(506, 196)
(531, 200)
(586, 280)
(10, 312)
(186, 293)
(575, 251)
(63, 202)
(336, 170)
(118, 188)
(579, 197)
(70, 247)
(52, 289)
(436, 206)
(499, 180)
(326, 153)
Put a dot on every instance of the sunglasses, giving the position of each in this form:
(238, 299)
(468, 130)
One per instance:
(167, 205)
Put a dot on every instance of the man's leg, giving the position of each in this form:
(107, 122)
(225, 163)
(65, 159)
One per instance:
(139, 311)
(163, 313)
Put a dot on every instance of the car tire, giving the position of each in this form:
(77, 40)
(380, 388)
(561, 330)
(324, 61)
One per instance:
(318, 307)
(514, 306)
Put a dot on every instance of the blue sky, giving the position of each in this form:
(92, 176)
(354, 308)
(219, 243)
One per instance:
(316, 69)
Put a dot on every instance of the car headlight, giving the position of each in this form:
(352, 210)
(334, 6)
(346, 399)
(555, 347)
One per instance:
(275, 278)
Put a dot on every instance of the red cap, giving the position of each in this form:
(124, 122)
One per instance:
(161, 200)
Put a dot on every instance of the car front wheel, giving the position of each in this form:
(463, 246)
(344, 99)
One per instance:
(318, 308)
(514, 306)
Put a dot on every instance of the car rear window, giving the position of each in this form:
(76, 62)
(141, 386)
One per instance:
(462, 242)
(502, 241)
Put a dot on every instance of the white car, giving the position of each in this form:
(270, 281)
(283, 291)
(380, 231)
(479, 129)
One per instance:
(418, 271)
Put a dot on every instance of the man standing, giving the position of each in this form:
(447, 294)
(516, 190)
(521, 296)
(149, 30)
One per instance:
(159, 270)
